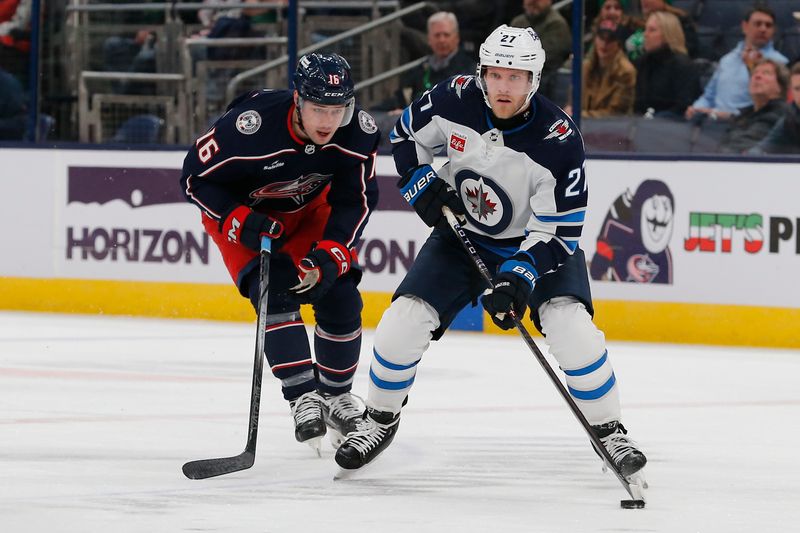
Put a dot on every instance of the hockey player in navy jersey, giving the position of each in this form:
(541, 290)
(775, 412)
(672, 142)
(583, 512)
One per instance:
(515, 177)
(299, 167)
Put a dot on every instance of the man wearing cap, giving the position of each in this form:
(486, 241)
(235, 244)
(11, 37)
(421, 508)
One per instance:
(609, 78)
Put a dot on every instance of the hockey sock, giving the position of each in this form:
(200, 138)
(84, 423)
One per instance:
(289, 354)
(337, 359)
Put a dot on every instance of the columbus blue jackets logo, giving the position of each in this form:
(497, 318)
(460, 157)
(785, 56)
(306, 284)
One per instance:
(248, 122)
(366, 122)
(560, 130)
(297, 189)
(633, 244)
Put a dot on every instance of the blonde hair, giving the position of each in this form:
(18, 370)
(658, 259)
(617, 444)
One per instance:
(671, 30)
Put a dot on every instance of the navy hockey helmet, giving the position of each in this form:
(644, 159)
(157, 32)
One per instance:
(325, 79)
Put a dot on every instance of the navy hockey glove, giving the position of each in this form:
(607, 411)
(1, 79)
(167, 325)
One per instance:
(428, 194)
(246, 226)
(320, 268)
(512, 289)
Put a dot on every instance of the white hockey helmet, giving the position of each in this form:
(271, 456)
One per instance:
(508, 47)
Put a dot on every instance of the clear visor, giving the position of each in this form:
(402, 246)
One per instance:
(504, 83)
(329, 111)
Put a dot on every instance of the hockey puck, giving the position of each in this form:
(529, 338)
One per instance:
(632, 504)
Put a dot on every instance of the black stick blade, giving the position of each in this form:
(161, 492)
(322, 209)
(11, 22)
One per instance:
(206, 468)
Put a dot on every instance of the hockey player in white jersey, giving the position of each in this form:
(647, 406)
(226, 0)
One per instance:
(515, 177)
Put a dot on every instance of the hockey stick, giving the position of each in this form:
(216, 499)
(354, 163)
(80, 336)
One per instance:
(633, 490)
(205, 468)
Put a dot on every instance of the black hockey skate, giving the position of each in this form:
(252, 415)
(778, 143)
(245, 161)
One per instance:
(344, 414)
(622, 449)
(309, 425)
(365, 444)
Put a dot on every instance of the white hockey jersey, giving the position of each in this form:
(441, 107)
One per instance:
(523, 188)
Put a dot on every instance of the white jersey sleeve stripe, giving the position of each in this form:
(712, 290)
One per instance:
(245, 158)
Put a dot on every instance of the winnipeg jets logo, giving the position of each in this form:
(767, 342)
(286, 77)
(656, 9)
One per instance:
(460, 83)
(488, 206)
(479, 200)
(297, 189)
(560, 129)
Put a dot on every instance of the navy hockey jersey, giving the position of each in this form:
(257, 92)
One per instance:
(252, 157)
(523, 188)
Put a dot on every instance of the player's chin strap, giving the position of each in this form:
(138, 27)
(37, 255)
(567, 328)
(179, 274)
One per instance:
(633, 490)
(300, 116)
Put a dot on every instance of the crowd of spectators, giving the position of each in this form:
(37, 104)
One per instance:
(727, 90)
(642, 61)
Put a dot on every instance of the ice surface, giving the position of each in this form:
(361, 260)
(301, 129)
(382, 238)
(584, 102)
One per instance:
(97, 415)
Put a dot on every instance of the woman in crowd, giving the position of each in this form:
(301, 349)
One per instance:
(666, 82)
(635, 43)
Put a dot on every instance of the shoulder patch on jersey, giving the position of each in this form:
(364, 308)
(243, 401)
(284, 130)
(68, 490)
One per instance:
(459, 83)
(248, 122)
(366, 122)
(458, 141)
(559, 129)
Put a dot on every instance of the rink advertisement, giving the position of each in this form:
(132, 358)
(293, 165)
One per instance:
(687, 251)
(694, 232)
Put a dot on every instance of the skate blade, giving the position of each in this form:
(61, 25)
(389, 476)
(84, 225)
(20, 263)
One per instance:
(345, 473)
(637, 482)
(350, 473)
(335, 437)
(316, 445)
